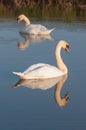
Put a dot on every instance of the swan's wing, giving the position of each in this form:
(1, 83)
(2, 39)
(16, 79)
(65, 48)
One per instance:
(40, 71)
(37, 27)
(34, 67)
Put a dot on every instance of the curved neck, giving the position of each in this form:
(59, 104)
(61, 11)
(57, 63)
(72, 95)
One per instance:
(59, 60)
(27, 21)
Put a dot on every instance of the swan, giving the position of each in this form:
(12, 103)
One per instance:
(45, 71)
(36, 29)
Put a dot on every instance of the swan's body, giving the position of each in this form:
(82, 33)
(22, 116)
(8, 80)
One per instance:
(39, 71)
(44, 71)
(36, 29)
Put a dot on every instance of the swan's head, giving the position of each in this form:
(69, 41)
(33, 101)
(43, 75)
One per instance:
(23, 17)
(20, 18)
(63, 44)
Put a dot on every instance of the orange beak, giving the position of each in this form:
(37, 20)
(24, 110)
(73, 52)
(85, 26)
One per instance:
(67, 49)
(18, 20)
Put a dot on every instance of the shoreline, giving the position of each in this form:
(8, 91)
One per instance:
(66, 10)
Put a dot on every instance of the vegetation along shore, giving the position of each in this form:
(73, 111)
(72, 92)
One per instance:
(44, 8)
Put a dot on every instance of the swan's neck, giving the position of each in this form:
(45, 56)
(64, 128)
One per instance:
(59, 60)
(27, 21)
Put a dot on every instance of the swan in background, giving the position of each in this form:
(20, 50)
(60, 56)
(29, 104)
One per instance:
(36, 29)
(47, 84)
(45, 71)
(32, 38)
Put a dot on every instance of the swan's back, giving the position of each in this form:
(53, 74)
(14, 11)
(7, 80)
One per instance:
(43, 72)
(37, 27)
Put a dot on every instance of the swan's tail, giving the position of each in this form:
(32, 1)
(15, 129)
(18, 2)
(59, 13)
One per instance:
(47, 32)
(51, 30)
(19, 74)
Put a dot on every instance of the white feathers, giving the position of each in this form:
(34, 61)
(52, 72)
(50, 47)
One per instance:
(36, 29)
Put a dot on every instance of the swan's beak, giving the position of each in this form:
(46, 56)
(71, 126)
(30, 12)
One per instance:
(18, 20)
(67, 48)
(66, 97)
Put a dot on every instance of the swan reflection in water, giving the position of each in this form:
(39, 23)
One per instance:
(45, 84)
(32, 38)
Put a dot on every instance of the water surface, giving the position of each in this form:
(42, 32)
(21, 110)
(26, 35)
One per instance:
(26, 108)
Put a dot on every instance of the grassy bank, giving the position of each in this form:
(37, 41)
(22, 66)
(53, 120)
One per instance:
(66, 13)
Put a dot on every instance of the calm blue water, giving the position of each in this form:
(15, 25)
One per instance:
(24, 108)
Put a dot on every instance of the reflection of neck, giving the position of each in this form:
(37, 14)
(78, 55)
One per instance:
(27, 21)
(61, 101)
(23, 46)
(59, 60)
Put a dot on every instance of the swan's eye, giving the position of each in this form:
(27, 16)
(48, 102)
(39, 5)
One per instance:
(67, 48)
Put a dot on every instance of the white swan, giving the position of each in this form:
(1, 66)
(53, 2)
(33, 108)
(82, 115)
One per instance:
(33, 28)
(44, 71)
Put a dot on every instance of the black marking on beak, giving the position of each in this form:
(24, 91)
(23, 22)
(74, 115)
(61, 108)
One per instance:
(18, 18)
(67, 48)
